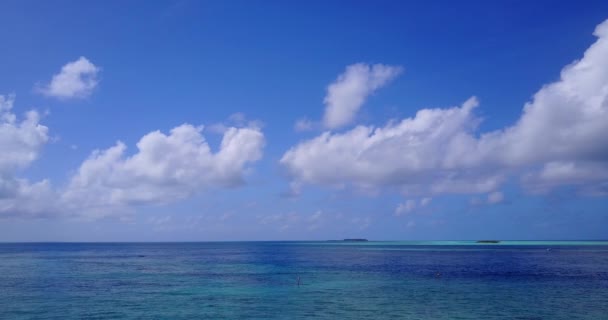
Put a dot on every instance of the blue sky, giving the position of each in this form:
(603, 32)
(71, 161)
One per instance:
(251, 120)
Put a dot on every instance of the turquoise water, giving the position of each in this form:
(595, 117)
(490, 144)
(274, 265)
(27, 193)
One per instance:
(257, 280)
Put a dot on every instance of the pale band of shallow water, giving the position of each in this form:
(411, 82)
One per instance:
(468, 243)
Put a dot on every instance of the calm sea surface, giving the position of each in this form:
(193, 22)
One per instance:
(257, 280)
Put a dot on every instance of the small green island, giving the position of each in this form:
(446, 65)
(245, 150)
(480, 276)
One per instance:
(355, 240)
(488, 241)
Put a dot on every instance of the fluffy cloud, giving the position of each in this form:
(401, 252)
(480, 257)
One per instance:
(20, 144)
(440, 150)
(590, 177)
(405, 154)
(24, 199)
(164, 169)
(348, 93)
(77, 79)
(567, 120)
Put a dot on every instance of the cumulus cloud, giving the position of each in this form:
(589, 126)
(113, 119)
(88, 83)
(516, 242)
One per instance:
(166, 167)
(24, 199)
(346, 95)
(567, 119)
(20, 144)
(441, 151)
(20, 141)
(405, 154)
(590, 177)
(77, 79)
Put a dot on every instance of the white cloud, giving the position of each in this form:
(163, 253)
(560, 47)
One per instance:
(237, 120)
(410, 205)
(20, 144)
(20, 141)
(590, 177)
(568, 119)
(440, 150)
(27, 200)
(406, 154)
(495, 197)
(77, 79)
(164, 169)
(348, 93)
(405, 208)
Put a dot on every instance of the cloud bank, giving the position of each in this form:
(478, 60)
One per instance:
(165, 168)
(559, 139)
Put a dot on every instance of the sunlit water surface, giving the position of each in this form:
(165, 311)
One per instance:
(257, 280)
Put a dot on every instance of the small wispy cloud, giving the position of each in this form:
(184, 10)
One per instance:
(304, 125)
(411, 205)
(77, 79)
(405, 208)
(495, 197)
(347, 94)
(237, 120)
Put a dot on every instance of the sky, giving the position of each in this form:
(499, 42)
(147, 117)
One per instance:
(316, 120)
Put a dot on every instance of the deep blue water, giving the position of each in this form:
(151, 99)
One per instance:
(257, 280)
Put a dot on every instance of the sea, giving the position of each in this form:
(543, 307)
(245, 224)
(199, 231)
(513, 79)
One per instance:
(305, 280)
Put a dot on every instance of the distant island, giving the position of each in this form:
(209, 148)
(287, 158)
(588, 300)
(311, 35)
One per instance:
(349, 240)
(488, 241)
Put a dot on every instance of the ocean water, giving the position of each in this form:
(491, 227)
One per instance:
(258, 280)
